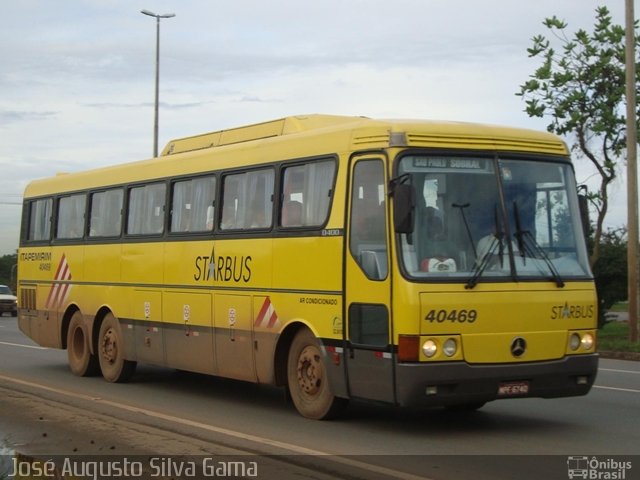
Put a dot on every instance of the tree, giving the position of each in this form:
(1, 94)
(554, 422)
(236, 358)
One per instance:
(7, 270)
(581, 88)
(610, 270)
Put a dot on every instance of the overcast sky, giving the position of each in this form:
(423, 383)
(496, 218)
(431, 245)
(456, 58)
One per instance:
(77, 76)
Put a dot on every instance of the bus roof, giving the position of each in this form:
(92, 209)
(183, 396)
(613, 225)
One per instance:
(300, 136)
(382, 133)
(258, 131)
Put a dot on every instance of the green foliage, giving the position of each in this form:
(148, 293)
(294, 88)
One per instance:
(619, 307)
(614, 337)
(7, 270)
(580, 88)
(610, 270)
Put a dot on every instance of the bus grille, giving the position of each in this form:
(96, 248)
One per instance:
(28, 298)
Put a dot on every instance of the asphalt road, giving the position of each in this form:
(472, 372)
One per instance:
(173, 412)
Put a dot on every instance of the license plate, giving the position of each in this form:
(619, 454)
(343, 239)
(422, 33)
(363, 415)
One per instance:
(513, 389)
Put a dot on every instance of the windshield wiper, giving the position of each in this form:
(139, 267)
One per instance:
(496, 243)
(462, 206)
(528, 244)
(480, 267)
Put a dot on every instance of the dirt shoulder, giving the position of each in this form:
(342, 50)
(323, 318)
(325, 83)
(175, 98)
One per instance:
(34, 430)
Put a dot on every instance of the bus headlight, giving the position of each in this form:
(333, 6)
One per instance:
(587, 341)
(582, 341)
(450, 347)
(574, 342)
(429, 348)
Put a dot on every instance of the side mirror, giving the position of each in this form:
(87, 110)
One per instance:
(404, 207)
(583, 205)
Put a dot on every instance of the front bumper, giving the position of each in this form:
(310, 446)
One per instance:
(8, 307)
(460, 383)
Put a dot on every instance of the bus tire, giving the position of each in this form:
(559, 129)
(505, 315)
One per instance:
(82, 362)
(115, 368)
(307, 379)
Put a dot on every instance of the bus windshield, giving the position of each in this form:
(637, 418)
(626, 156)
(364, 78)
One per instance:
(493, 218)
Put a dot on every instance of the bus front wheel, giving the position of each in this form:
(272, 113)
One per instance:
(307, 379)
(81, 362)
(115, 368)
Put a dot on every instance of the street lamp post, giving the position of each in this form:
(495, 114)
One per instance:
(155, 123)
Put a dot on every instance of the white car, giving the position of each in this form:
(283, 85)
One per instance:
(8, 301)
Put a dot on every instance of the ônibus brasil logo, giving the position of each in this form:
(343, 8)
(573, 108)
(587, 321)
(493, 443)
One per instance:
(597, 468)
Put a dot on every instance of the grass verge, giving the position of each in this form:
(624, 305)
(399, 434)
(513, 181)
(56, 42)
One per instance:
(614, 337)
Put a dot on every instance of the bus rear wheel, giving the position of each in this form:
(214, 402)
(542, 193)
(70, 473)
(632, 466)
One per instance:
(115, 368)
(307, 379)
(81, 362)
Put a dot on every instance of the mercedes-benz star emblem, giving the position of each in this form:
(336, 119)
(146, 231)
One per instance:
(518, 347)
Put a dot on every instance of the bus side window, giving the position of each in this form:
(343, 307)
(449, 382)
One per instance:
(146, 209)
(247, 200)
(105, 218)
(192, 205)
(369, 324)
(40, 214)
(259, 199)
(71, 214)
(306, 194)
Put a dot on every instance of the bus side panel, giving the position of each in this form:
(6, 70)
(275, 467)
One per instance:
(147, 326)
(102, 275)
(188, 306)
(238, 269)
(309, 269)
(233, 337)
(38, 296)
(266, 323)
(142, 268)
(41, 326)
(188, 335)
(102, 268)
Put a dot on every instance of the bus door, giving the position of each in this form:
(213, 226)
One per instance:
(368, 350)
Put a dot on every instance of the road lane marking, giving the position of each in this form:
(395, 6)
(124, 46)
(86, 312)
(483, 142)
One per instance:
(617, 389)
(224, 431)
(618, 371)
(35, 347)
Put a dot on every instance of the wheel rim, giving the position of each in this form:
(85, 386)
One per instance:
(310, 371)
(110, 347)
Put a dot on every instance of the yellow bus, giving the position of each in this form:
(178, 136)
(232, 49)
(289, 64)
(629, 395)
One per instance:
(409, 262)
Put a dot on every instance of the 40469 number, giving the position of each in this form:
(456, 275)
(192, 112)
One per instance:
(461, 316)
